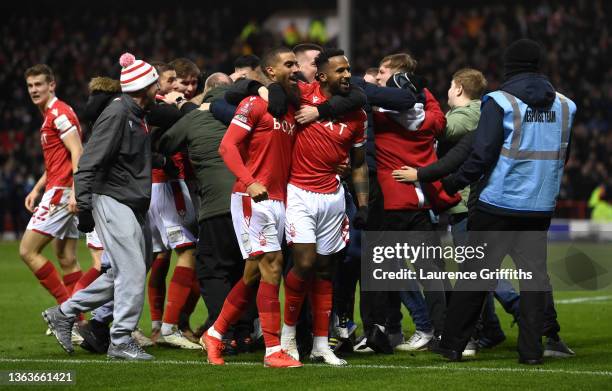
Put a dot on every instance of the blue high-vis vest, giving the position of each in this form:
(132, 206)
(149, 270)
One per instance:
(528, 173)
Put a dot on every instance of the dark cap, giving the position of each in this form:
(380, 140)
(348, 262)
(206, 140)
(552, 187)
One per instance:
(522, 56)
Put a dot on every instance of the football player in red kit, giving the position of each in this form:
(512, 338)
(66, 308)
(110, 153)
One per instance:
(316, 222)
(54, 217)
(257, 149)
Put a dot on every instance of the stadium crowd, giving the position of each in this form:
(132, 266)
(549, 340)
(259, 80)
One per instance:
(81, 43)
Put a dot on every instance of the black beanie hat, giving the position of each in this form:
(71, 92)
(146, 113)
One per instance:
(524, 55)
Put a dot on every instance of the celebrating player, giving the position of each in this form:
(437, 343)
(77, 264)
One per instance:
(54, 217)
(257, 149)
(316, 224)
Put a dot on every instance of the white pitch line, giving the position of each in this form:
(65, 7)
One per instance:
(583, 300)
(456, 367)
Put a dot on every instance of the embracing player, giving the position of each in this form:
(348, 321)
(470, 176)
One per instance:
(257, 149)
(316, 222)
(54, 217)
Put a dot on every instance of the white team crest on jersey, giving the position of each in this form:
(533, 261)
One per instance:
(315, 99)
(54, 112)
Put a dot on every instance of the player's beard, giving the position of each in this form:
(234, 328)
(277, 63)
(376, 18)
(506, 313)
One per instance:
(338, 89)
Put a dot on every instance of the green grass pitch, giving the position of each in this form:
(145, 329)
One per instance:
(586, 327)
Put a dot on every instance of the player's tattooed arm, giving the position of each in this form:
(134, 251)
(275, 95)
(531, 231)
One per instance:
(360, 176)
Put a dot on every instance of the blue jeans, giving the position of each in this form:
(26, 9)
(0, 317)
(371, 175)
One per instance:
(413, 300)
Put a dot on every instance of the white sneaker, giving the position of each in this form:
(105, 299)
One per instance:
(289, 345)
(178, 340)
(471, 348)
(328, 357)
(418, 341)
(76, 337)
(361, 346)
(141, 339)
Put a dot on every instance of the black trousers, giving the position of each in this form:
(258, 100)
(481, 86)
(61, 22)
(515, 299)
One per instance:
(525, 242)
(374, 306)
(435, 291)
(219, 266)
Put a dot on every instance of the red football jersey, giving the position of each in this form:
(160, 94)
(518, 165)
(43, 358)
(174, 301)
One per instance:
(59, 121)
(321, 146)
(179, 159)
(266, 149)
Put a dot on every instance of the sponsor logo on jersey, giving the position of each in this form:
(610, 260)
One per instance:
(285, 126)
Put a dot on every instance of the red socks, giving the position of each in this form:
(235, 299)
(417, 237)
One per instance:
(269, 313)
(295, 290)
(50, 279)
(178, 292)
(193, 298)
(70, 281)
(235, 304)
(321, 301)
(90, 276)
(157, 287)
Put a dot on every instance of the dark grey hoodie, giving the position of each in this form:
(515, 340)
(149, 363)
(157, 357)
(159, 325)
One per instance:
(116, 160)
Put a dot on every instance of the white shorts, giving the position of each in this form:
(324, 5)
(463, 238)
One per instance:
(258, 225)
(317, 218)
(52, 218)
(172, 216)
(93, 241)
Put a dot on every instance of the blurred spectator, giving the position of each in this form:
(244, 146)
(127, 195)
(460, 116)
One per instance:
(81, 42)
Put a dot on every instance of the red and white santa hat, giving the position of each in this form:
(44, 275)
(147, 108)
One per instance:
(135, 74)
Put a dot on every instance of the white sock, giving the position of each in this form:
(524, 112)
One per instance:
(288, 331)
(273, 350)
(167, 328)
(320, 343)
(156, 325)
(214, 333)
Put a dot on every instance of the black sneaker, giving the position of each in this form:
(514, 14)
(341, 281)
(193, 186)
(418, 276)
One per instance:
(61, 327)
(378, 341)
(96, 336)
(557, 348)
(488, 342)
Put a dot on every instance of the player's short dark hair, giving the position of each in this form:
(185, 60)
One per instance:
(304, 47)
(40, 69)
(250, 60)
(184, 67)
(161, 67)
(323, 58)
(270, 57)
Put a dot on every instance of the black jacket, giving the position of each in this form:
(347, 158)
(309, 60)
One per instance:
(533, 89)
(117, 159)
